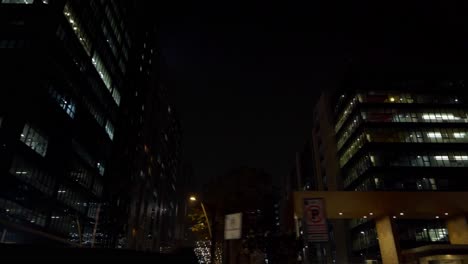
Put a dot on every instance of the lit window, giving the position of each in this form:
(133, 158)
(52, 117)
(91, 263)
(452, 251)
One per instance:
(434, 134)
(110, 129)
(438, 234)
(459, 135)
(116, 96)
(33, 139)
(17, 1)
(100, 168)
(426, 184)
(441, 157)
(103, 73)
(65, 103)
(440, 117)
(464, 157)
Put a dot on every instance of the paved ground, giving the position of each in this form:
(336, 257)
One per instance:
(13, 253)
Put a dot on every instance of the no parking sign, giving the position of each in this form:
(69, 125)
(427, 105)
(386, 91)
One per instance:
(315, 220)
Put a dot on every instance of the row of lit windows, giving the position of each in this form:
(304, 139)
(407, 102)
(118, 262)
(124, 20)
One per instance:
(352, 149)
(34, 139)
(96, 58)
(69, 106)
(74, 21)
(381, 184)
(441, 159)
(98, 115)
(103, 73)
(422, 231)
(110, 129)
(346, 112)
(394, 115)
(72, 199)
(15, 210)
(421, 135)
(419, 232)
(32, 175)
(405, 98)
(17, 1)
(397, 115)
(348, 131)
(392, 97)
(415, 116)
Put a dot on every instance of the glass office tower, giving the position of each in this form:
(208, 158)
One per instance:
(402, 136)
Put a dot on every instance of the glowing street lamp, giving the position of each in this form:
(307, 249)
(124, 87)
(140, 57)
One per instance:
(194, 199)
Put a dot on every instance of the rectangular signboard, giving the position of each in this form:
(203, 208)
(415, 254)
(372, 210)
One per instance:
(233, 226)
(315, 221)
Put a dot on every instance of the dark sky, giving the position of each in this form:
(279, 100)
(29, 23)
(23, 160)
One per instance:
(247, 75)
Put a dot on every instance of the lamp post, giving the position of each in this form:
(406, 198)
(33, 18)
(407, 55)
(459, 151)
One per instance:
(194, 199)
(212, 240)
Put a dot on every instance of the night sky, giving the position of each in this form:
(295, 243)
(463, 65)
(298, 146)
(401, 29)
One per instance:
(247, 75)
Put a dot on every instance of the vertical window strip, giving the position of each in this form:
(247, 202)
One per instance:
(77, 28)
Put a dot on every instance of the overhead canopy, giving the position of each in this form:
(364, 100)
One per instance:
(410, 205)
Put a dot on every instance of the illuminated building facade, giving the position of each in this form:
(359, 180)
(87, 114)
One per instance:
(393, 136)
(84, 120)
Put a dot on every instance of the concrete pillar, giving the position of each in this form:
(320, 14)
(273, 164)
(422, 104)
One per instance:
(389, 249)
(457, 230)
(341, 233)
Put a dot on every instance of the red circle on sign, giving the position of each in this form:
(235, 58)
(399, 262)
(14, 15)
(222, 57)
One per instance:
(311, 216)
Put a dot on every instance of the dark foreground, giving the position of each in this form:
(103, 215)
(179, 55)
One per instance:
(35, 254)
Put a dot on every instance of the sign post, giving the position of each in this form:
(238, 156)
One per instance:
(315, 221)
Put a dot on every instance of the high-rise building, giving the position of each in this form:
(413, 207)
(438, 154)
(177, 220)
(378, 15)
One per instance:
(396, 135)
(90, 143)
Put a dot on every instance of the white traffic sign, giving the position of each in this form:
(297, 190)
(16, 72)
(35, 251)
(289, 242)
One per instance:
(233, 226)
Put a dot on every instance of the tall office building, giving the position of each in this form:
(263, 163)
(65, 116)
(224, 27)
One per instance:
(83, 119)
(393, 135)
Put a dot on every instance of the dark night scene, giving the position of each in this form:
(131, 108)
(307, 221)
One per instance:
(231, 132)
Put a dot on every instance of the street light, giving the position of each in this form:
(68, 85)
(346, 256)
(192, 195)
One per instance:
(194, 199)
